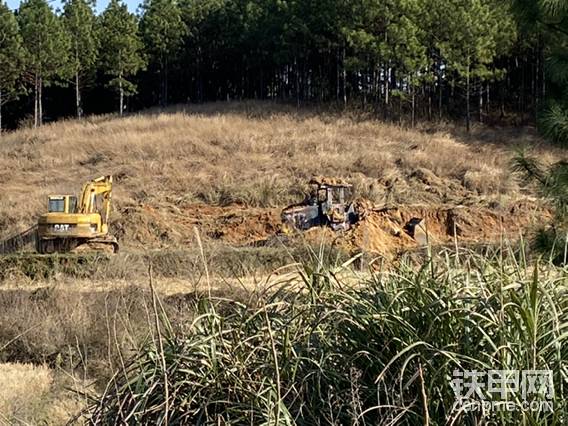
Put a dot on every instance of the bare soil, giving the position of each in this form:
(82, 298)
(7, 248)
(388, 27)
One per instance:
(380, 231)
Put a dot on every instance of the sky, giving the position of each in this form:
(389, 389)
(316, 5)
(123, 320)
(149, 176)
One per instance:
(101, 4)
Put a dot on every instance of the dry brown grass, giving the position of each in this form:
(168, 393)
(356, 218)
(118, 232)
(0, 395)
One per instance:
(70, 341)
(33, 394)
(80, 332)
(254, 153)
(23, 388)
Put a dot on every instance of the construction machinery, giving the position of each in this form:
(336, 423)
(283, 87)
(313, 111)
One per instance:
(78, 223)
(71, 224)
(325, 206)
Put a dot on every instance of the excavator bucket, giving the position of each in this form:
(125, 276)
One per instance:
(416, 228)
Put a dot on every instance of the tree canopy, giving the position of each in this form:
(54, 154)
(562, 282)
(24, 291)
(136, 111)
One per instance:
(79, 20)
(11, 56)
(404, 60)
(46, 48)
(121, 49)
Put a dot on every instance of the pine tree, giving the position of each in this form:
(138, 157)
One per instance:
(47, 47)
(121, 49)
(552, 182)
(468, 41)
(79, 20)
(549, 18)
(11, 56)
(162, 31)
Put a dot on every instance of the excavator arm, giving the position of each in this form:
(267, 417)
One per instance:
(101, 186)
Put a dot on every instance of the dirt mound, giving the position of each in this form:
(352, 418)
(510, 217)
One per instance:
(329, 181)
(380, 230)
(158, 226)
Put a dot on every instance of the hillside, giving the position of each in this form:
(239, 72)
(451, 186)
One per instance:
(229, 168)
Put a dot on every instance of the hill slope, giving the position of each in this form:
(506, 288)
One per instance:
(180, 168)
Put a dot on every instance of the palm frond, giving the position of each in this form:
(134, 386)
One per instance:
(557, 67)
(554, 8)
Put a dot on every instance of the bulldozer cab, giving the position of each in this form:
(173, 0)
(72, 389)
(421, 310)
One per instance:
(62, 204)
(330, 195)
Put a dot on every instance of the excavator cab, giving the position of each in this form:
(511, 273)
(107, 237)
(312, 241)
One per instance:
(62, 204)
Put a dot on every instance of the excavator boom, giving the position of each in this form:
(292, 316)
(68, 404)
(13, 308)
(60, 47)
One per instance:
(101, 186)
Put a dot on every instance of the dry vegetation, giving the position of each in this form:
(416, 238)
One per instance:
(31, 394)
(258, 154)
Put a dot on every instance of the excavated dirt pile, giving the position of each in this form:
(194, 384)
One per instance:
(380, 230)
(159, 226)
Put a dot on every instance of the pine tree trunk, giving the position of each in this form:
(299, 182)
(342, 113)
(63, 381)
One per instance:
(413, 113)
(365, 75)
(364, 87)
(297, 71)
(387, 91)
(166, 83)
(480, 93)
(440, 92)
(261, 84)
(78, 96)
(502, 101)
(522, 102)
(468, 113)
(430, 102)
(487, 100)
(440, 102)
(121, 95)
(337, 78)
(77, 88)
(344, 79)
(376, 86)
(200, 89)
(161, 99)
(36, 121)
(40, 101)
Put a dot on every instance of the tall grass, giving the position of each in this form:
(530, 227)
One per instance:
(352, 348)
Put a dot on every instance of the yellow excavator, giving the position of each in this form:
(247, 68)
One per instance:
(78, 223)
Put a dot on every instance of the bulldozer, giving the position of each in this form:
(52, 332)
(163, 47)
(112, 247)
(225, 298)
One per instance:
(76, 224)
(325, 206)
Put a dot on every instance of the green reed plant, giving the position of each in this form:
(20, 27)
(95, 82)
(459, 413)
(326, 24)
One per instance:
(345, 347)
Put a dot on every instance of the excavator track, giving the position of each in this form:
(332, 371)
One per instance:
(107, 244)
(28, 241)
